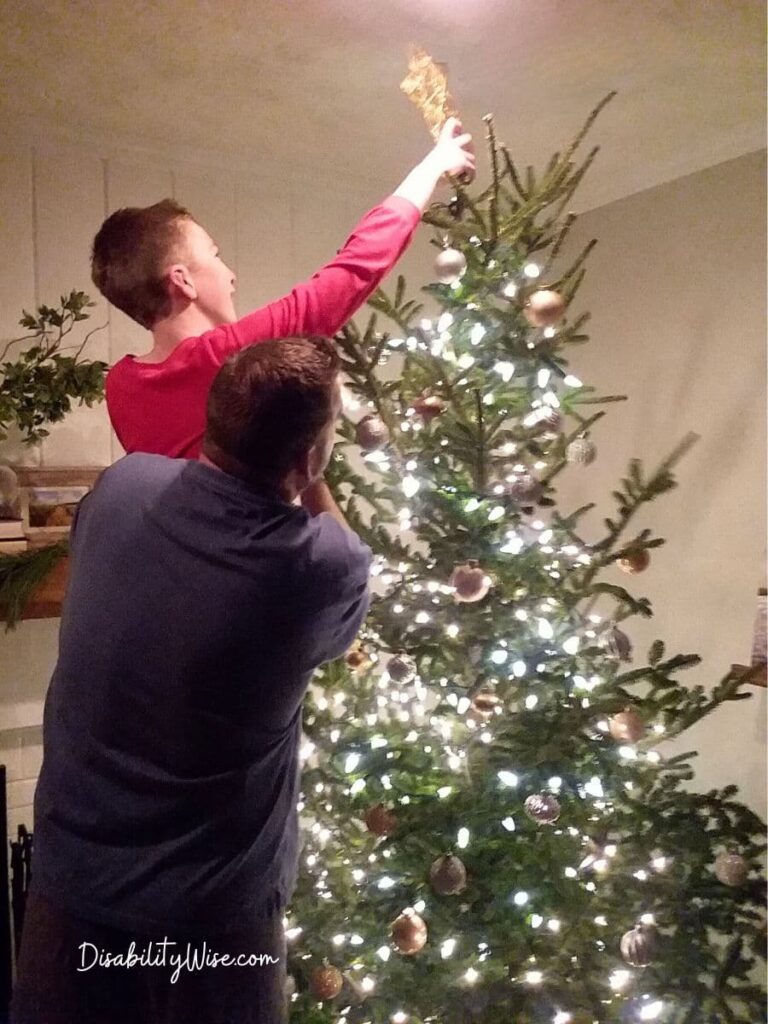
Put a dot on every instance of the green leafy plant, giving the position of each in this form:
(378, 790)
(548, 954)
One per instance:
(41, 383)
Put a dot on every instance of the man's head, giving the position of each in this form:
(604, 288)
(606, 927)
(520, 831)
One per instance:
(154, 261)
(272, 411)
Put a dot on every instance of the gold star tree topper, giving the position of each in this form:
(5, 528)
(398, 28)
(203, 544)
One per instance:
(426, 86)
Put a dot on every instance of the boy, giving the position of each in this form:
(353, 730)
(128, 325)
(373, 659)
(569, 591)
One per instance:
(161, 267)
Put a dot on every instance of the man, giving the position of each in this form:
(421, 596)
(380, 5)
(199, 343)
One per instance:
(200, 601)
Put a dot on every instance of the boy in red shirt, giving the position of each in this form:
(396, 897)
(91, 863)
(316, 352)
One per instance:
(161, 268)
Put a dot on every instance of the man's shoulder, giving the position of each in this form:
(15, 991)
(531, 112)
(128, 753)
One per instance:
(141, 469)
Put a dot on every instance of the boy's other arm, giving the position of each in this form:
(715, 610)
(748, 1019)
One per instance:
(325, 302)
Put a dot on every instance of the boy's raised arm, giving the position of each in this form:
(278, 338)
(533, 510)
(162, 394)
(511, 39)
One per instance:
(325, 302)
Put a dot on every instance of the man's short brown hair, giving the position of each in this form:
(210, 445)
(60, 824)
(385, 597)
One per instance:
(268, 404)
(130, 254)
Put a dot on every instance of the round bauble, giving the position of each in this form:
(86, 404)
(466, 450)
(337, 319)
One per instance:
(428, 407)
(357, 659)
(371, 433)
(485, 702)
(409, 932)
(544, 308)
(469, 582)
(448, 876)
(524, 489)
(618, 643)
(326, 982)
(542, 808)
(545, 420)
(380, 820)
(638, 946)
(627, 726)
(401, 668)
(731, 869)
(581, 451)
(635, 561)
(450, 264)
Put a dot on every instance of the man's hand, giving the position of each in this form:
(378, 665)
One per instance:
(453, 151)
(452, 154)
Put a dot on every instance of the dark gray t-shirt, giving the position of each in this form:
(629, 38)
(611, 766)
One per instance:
(197, 610)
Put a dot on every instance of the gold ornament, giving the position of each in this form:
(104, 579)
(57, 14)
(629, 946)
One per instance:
(326, 982)
(638, 946)
(426, 86)
(428, 406)
(448, 876)
(409, 932)
(380, 820)
(357, 659)
(635, 561)
(544, 308)
(543, 808)
(469, 582)
(731, 869)
(485, 702)
(450, 264)
(627, 726)
(371, 433)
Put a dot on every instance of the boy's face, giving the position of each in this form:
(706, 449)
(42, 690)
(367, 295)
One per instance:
(213, 281)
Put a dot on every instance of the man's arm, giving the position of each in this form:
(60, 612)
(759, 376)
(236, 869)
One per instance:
(318, 498)
(325, 302)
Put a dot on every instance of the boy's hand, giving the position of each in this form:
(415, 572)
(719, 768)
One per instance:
(453, 153)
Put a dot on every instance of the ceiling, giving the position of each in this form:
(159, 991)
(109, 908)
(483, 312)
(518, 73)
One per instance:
(314, 85)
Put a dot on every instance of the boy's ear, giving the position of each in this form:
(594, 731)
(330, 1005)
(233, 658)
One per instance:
(180, 280)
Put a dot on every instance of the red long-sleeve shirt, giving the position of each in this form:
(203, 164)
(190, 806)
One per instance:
(160, 407)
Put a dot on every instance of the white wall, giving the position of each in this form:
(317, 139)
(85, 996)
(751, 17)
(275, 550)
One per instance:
(676, 287)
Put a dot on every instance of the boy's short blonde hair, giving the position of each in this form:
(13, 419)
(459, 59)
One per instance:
(130, 255)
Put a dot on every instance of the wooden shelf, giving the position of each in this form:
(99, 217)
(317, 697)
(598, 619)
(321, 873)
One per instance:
(48, 596)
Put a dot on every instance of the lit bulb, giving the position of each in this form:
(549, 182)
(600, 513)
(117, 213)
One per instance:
(462, 840)
(447, 948)
(410, 486)
(652, 1011)
(531, 270)
(520, 898)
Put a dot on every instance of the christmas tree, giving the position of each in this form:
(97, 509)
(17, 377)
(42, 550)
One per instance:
(493, 831)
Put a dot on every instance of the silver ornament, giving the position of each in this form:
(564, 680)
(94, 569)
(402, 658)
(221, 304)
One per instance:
(638, 946)
(450, 264)
(731, 869)
(524, 489)
(371, 433)
(545, 420)
(448, 876)
(543, 808)
(581, 451)
(401, 668)
(618, 644)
